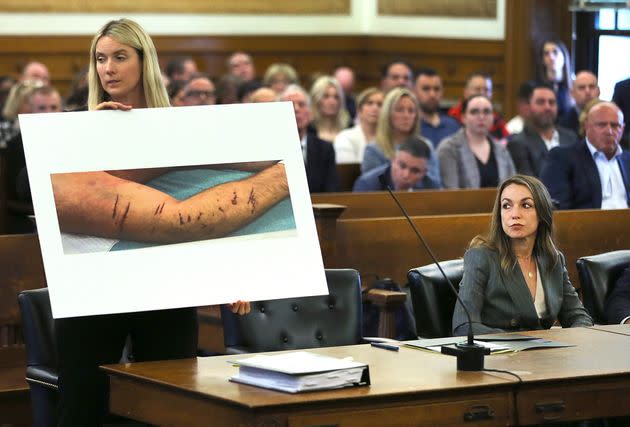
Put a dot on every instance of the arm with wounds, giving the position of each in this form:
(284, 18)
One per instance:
(117, 205)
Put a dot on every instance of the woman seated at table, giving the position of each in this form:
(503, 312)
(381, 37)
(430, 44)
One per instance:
(469, 158)
(514, 277)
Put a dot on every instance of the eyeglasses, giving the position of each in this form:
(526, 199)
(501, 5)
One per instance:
(200, 93)
(478, 111)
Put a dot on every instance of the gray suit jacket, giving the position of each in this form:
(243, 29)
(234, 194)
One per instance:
(458, 166)
(529, 151)
(500, 302)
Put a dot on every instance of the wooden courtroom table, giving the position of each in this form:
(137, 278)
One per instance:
(409, 387)
(616, 329)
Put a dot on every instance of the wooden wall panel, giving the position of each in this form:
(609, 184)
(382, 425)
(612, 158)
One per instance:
(454, 59)
(276, 7)
(449, 8)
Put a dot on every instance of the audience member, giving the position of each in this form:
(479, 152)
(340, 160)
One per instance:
(554, 68)
(621, 97)
(199, 90)
(181, 68)
(434, 125)
(479, 83)
(517, 123)
(319, 155)
(593, 173)
(6, 83)
(515, 279)
(278, 76)
(617, 305)
(77, 98)
(407, 170)
(350, 143)
(16, 103)
(530, 147)
(227, 89)
(396, 74)
(329, 112)
(241, 65)
(43, 99)
(584, 90)
(345, 77)
(264, 94)
(399, 120)
(470, 158)
(35, 71)
(246, 89)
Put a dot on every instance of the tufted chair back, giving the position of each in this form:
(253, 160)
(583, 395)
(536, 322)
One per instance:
(296, 323)
(598, 274)
(433, 300)
(41, 367)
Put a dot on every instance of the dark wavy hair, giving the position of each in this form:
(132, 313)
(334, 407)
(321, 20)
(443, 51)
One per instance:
(497, 240)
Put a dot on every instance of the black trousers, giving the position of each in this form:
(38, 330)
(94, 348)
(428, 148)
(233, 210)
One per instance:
(85, 343)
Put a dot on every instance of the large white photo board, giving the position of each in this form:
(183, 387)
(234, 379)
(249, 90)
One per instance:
(262, 262)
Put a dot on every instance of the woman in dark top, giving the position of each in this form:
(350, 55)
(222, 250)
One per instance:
(554, 69)
(470, 158)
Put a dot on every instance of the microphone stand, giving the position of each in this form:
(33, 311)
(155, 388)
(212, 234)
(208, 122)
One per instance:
(470, 356)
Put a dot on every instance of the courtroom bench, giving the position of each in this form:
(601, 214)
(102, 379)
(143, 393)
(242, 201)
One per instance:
(22, 269)
(387, 247)
(378, 204)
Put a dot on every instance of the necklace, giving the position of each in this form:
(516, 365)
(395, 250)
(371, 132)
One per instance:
(528, 260)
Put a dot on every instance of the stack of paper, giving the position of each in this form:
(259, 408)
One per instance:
(300, 371)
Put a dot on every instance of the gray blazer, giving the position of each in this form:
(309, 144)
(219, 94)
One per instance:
(458, 167)
(500, 302)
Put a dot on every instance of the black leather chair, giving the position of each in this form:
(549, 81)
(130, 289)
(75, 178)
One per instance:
(295, 323)
(598, 274)
(41, 354)
(432, 299)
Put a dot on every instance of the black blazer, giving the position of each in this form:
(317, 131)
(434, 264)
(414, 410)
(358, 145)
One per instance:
(528, 150)
(572, 178)
(571, 120)
(321, 170)
(617, 306)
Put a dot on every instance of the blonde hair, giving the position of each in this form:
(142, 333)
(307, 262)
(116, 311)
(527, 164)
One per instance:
(18, 95)
(317, 94)
(130, 33)
(278, 69)
(365, 95)
(384, 128)
(584, 114)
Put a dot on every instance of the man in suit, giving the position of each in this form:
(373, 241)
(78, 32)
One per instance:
(319, 155)
(583, 91)
(593, 173)
(530, 147)
(406, 171)
(621, 97)
(617, 305)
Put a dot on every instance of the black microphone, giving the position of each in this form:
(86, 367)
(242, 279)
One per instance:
(469, 355)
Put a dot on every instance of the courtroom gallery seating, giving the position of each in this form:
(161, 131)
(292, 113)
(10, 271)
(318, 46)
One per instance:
(598, 274)
(295, 323)
(432, 299)
(41, 369)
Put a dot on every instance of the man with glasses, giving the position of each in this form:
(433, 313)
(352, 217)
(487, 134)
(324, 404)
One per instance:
(407, 171)
(199, 90)
(529, 148)
(593, 173)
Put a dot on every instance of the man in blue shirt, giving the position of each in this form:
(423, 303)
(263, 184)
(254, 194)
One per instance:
(434, 125)
(407, 170)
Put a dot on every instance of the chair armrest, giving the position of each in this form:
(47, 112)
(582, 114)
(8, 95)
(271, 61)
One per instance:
(387, 302)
